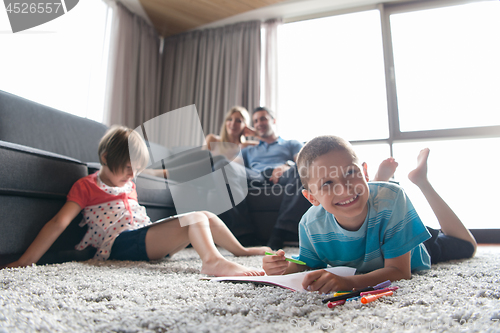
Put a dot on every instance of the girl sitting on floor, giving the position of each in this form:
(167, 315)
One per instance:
(119, 227)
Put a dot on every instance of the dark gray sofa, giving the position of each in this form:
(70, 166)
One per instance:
(43, 151)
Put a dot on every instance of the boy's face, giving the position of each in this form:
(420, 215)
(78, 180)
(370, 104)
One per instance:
(338, 184)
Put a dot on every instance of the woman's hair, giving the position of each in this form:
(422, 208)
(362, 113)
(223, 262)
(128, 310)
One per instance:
(246, 119)
(122, 145)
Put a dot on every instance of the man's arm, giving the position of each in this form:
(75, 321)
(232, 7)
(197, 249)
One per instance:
(244, 156)
(394, 269)
(294, 147)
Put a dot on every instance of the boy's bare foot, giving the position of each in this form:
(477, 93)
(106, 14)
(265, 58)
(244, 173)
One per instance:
(365, 171)
(224, 267)
(253, 251)
(386, 170)
(418, 176)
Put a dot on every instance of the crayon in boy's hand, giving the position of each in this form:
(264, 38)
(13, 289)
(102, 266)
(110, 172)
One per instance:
(287, 259)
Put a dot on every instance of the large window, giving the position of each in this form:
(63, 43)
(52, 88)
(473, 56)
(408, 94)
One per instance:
(462, 171)
(447, 75)
(61, 63)
(397, 78)
(331, 73)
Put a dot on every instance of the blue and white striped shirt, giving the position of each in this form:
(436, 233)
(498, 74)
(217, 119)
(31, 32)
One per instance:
(392, 228)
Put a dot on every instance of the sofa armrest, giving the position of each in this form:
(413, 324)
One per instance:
(33, 187)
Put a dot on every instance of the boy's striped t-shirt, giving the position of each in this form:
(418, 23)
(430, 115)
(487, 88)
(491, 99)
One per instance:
(392, 228)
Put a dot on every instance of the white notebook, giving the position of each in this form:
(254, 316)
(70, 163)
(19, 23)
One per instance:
(289, 281)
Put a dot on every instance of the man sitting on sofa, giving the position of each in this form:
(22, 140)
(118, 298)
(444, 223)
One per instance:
(273, 161)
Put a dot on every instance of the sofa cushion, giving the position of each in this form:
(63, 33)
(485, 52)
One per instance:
(22, 218)
(153, 191)
(31, 124)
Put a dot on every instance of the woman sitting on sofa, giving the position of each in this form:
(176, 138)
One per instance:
(228, 144)
(235, 127)
(226, 147)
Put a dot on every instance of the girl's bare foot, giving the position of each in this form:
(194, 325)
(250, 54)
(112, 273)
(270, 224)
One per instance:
(386, 170)
(224, 267)
(418, 176)
(253, 251)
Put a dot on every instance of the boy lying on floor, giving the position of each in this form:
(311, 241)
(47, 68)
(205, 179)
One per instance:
(372, 227)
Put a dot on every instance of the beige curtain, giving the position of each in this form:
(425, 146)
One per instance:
(133, 92)
(270, 59)
(214, 69)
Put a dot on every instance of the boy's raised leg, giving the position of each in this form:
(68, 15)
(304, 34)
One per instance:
(448, 220)
(386, 170)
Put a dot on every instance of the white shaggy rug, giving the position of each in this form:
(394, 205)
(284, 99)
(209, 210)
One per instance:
(168, 296)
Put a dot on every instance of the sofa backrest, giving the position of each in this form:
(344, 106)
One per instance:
(35, 125)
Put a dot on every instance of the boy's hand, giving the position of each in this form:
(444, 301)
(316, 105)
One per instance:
(275, 265)
(325, 282)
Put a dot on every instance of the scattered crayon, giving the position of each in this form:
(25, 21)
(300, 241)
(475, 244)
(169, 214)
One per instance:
(331, 305)
(338, 293)
(357, 292)
(374, 292)
(370, 298)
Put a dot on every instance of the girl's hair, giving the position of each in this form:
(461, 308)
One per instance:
(246, 119)
(317, 147)
(122, 145)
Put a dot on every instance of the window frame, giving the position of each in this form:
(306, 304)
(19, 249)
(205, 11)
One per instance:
(395, 134)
